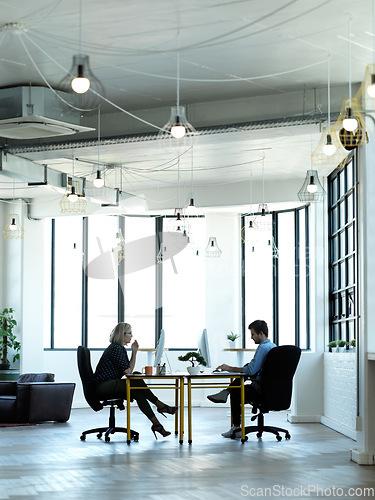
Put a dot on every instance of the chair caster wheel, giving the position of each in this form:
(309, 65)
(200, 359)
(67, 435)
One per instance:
(259, 434)
(136, 439)
(287, 435)
(279, 438)
(107, 439)
(83, 437)
(99, 435)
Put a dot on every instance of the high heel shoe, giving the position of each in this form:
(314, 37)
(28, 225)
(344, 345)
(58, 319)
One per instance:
(160, 429)
(171, 410)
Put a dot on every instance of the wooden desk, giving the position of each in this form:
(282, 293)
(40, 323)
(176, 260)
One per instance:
(214, 383)
(178, 387)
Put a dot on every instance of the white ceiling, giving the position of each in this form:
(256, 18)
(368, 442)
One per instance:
(133, 49)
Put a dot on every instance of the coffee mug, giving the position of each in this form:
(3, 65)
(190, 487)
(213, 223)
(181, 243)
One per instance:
(147, 370)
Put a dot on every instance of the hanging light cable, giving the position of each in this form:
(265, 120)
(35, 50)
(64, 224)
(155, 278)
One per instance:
(98, 181)
(350, 123)
(329, 148)
(177, 125)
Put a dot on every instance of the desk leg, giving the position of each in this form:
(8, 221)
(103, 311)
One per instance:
(190, 430)
(176, 398)
(128, 410)
(243, 439)
(182, 388)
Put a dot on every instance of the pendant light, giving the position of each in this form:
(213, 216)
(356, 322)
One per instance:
(179, 223)
(177, 125)
(329, 148)
(80, 79)
(73, 201)
(311, 190)
(263, 221)
(192, 210)
(371, 87)
(13, 229)
(98, 181)
(212, 249)
(249, 233)
(350, 123)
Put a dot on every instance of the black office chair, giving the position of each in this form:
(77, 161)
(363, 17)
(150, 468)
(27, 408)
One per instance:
(276, 385)
(96, 402)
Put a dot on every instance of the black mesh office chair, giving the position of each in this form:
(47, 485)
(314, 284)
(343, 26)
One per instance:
(276, 384)
(97, 403)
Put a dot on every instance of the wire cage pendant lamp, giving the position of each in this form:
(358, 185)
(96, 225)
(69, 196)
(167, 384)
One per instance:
(311, 190)
(80, 79)
(212, 249)
(13, 229)
(177, 126)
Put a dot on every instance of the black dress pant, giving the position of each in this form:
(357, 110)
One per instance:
(251, 396)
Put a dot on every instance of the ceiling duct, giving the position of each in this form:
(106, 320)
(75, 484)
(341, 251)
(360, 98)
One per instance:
(37, 113)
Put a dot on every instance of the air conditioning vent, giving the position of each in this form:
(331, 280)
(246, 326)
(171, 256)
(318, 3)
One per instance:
(37, 113)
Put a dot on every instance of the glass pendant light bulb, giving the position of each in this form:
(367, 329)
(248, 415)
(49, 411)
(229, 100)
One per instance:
(371, 87)
(13, 224)
(178, 131)
(98, 182)
(329, 149)
(80, 84)
(73, 197)
(312, 187)
(349, 123)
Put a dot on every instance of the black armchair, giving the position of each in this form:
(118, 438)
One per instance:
(276, 386)
(98, 403)
(35, 397)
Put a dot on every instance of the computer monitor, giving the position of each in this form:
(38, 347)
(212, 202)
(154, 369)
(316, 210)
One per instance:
(204, 347)
(159, 348)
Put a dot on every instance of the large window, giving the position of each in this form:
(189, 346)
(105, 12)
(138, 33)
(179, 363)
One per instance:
(139, 277)
(342, 234)
(67, 282)
(184, 305)
(276, 275)
(150, 283)
(102, 279)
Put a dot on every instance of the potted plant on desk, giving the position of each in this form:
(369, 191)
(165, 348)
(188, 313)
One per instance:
(195, 359)
(232, 339)
(7, 338)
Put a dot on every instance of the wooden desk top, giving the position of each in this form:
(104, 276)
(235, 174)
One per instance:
(238, 350)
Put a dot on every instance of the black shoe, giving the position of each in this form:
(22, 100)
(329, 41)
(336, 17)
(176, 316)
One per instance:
(160, 429)
(171, 410)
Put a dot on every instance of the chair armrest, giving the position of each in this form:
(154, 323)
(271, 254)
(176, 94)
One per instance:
(44, 401)
(8, 388)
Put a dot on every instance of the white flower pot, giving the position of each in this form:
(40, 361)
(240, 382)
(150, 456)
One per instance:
(193, 370)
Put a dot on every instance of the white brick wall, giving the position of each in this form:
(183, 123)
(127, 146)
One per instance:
(340, 388)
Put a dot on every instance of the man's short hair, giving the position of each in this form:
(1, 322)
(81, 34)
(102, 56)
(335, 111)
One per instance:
(259, 326)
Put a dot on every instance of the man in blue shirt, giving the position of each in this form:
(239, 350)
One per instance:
(259, 334)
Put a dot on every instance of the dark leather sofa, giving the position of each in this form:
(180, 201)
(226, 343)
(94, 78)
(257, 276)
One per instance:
(35, 397)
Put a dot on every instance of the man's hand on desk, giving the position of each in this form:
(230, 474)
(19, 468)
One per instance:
(227, 368)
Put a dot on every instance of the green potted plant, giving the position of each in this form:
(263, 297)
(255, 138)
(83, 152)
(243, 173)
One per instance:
(195, 359)
(7, 338)
(353, 344)
(341, 344)
(232, 339)
(332, 346)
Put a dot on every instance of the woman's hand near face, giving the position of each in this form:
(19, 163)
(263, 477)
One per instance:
(135, 346)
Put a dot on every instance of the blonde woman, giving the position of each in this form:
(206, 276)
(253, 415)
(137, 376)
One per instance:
(114, 364)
